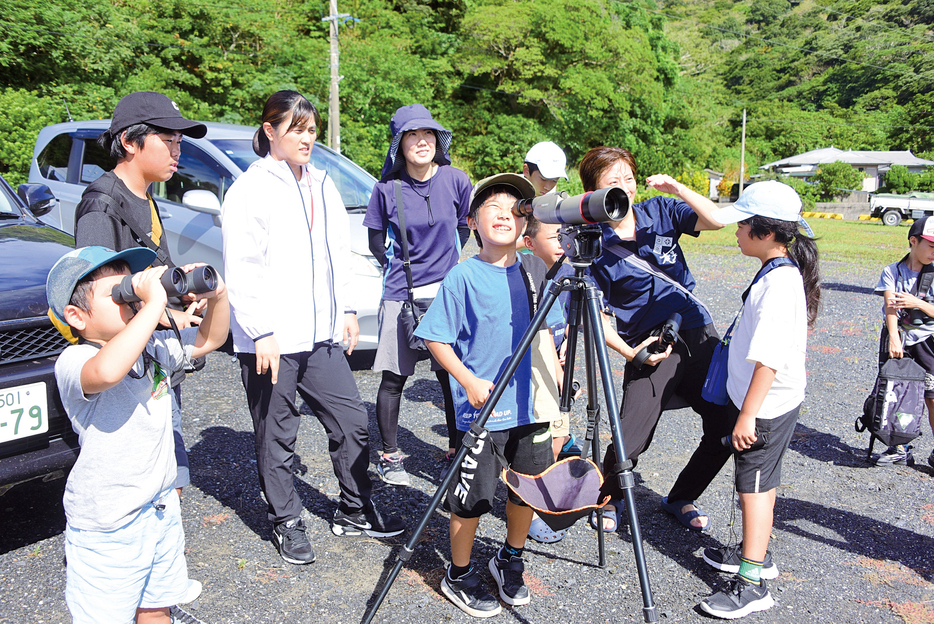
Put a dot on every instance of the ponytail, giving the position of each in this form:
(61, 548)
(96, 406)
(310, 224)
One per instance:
(802, 249)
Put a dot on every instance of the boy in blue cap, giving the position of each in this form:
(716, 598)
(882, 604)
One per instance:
(123, 539)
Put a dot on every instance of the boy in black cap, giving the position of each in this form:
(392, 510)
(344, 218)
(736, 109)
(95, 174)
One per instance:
(116, 211)
(908, 319)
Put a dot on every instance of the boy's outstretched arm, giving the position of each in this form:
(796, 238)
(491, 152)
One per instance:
(212, 332)
(115, 359)
(478, 390)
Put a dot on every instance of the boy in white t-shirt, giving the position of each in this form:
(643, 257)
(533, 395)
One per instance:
(123, 538)
(908, 319)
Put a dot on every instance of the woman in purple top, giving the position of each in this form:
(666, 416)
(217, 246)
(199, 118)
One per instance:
(435, 199)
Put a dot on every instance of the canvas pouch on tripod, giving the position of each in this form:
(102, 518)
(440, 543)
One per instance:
(566, 492)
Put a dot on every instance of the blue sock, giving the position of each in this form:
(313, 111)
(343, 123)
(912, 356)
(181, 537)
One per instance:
(507, 552)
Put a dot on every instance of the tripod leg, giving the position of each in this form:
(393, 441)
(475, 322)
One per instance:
(593, 420)
(626, 478)
(500, 384)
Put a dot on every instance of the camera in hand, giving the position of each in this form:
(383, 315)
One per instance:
(668, 334)
(727, 442)
(175, 281)
(609, 204)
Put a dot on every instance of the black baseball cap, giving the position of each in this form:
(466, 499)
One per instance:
(154, 109)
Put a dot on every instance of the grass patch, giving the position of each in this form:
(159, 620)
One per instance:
(865, 244)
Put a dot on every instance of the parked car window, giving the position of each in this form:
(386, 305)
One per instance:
(240, 151)
(353, 185)
(196, 170)
(96, 161)
(53, 161)
(6, 203)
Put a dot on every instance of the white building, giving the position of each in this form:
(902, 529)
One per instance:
(874, 165)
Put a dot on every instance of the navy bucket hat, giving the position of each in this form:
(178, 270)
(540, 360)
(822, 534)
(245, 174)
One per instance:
(414, 117)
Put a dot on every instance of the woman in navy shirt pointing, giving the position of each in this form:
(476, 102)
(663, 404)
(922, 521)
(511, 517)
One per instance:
(642, 291)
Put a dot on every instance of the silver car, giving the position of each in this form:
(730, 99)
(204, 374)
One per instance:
(67, 158)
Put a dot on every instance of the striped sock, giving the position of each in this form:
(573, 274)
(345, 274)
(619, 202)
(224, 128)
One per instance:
(750, 570)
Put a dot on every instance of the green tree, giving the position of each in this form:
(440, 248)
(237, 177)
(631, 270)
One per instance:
(836, 179)
(900, 180)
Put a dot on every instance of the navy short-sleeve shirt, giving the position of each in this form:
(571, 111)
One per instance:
(641, 301)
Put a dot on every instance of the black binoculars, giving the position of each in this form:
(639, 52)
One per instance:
(176, 282)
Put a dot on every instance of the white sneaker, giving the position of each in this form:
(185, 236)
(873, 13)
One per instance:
(194, 590)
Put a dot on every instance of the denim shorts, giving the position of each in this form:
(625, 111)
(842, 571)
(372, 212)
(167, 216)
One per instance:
(109, 574)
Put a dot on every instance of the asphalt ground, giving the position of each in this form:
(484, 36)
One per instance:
(853, 543)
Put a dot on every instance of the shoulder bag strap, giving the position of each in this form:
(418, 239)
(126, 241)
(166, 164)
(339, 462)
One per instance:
(774, 263)
(406, 265)
(641, 263)
(135, 228)
(530, 288)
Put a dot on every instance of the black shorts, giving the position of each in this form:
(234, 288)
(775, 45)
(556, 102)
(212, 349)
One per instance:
(923, 354)
(761, 470)
(527, 449)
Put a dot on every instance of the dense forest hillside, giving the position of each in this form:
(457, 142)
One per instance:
(667, 80)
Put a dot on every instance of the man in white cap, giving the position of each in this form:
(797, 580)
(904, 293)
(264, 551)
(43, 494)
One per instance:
(544, 164)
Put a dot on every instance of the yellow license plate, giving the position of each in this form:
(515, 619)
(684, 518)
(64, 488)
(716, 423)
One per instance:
(23, 411)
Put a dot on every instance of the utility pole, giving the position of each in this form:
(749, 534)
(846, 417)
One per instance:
(742, 155)
(334, 122)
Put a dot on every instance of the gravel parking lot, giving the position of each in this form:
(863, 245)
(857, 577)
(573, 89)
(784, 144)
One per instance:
(853, 543)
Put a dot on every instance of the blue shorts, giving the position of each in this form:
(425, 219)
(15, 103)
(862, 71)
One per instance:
(109, 574)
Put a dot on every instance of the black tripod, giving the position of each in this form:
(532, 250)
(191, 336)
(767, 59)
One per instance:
(582, 245)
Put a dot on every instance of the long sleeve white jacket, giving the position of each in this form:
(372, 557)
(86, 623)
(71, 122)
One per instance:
(286, 257)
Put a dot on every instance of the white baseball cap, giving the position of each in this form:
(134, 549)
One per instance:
(550, 160)
(770, 198)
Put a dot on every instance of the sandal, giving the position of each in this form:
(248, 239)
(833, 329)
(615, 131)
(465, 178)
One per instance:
(614, 516)
(544, 534)
(674, 508)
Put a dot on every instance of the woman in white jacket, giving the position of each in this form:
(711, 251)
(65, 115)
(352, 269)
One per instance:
(286, 259)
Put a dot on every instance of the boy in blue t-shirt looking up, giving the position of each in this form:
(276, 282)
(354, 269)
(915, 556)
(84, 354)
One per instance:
(472, 329)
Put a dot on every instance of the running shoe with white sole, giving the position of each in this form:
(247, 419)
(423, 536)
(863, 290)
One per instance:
(738, 599)
(726, 559)
(468, 594)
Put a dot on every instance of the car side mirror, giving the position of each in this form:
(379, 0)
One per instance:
(200, 200)
(37, 197)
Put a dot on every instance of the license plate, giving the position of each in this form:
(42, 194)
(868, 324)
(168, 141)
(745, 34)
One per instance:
(23, 412)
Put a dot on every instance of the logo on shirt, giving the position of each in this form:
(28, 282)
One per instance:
(664, 250)
(160, 382)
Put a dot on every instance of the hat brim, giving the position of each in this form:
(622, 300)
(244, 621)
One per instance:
(730, 214)
(552, 174)
(523, 187)
(193, 129)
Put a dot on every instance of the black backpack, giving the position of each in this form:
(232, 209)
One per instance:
(894, 409)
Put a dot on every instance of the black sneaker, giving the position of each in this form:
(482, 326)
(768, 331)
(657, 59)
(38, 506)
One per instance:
(508, 577)
(366, 522)
(726, 559)
(899, 455)
(931, 459)
(292, 542)
(738, 599)
(469, 595)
